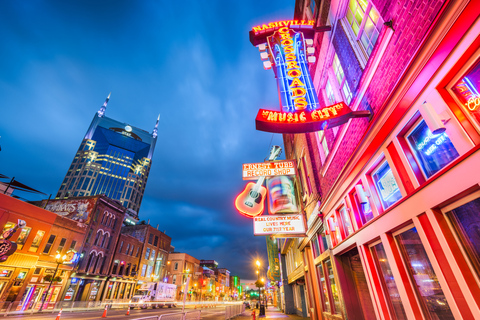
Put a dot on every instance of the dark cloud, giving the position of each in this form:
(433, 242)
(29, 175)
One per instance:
(189, 61)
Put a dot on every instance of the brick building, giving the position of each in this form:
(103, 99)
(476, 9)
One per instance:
(124, 271)
(391, 202)
(19, 270)
(103, 218)
(153, 254)
(181, 266)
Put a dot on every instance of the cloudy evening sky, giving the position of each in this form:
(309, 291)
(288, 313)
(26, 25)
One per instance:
(190, 61)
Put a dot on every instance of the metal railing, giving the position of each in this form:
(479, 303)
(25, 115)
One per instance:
(190, 315)
(234, 310)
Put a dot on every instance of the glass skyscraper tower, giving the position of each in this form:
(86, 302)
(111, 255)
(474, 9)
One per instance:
(113, 159)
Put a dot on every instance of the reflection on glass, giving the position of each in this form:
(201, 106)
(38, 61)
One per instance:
(36, 241)
(388, 282)
(324, 290)
(22, 237)
(433, 151)
(366, 213)
(347, 222)
(333, 287)
(431, 294)
(466, 220)
(386, 185)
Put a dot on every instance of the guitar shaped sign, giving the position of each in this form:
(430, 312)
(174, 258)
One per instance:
(251, 201)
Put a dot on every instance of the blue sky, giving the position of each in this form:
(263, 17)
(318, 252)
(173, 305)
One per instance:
(190, 61)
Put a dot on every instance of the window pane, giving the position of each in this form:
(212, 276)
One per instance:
(466, 220)
(36, 241)
(428, 288)
(22, 237)
(388, 281)
(433, 152)
(347, 223)
(386, 185)
(366, 213)
(324, 288)
(333, 286)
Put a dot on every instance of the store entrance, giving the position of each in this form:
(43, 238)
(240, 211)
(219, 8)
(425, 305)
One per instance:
(354, 287)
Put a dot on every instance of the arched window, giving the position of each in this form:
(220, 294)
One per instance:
(97, 238)
(122, 267)
(90, 260)
(115, 267)
(105, 239)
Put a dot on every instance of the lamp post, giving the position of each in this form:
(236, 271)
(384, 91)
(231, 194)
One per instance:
(59, 260)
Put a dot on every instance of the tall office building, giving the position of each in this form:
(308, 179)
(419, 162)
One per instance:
(114, 159)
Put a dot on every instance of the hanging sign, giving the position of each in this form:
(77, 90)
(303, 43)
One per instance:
(288, 55)
(280, 225)
(252, 171)
(306, 121)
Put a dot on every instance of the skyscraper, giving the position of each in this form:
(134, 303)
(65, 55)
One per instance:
(114, 159)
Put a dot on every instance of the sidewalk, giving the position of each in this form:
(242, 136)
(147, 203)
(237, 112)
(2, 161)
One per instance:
(270, 313)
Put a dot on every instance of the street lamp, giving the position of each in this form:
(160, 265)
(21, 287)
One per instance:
(59, 260)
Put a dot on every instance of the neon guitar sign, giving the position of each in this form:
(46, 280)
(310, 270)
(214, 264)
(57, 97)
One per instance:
(251, 201)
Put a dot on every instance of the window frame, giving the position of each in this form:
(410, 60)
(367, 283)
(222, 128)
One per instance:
(474, 268)
(359, 49)
(419, 163)
(378, 193)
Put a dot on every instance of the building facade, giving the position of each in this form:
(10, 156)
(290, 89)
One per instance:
(103, 218)
(114, 159)
(182, 266)
(19, 271)
(391, 202)
(153, 254)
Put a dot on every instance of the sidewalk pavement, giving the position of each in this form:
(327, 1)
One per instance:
(271, 312)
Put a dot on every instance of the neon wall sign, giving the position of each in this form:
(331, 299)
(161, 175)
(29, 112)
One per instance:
(252, 171)
(306, 121)
(288, 54)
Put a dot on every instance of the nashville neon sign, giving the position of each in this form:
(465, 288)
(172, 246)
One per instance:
(300, 109)
(306, 121)
(285, 23)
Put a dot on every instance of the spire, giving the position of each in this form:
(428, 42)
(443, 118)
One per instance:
(154, 134)
(101, 112)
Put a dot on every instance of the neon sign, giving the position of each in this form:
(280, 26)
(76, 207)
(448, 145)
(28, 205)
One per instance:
(285, 23)
(306, 121)
(288, 55)
(473, 103)
(253, 171)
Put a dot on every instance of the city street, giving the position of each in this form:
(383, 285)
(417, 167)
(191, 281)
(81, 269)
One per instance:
(207, 313)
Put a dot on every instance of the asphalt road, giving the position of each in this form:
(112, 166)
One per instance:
(207, 314)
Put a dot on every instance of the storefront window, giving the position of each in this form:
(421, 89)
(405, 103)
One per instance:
(335, 235)
(467, 90)
(36, 241)
(324, 289)
(386, 185)
(466, 220)
(315, 246)
(347, 221)
(388, 282)
(333, 287)
(433, 151)
(428, 288)
(365, 210)
(22, 237)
